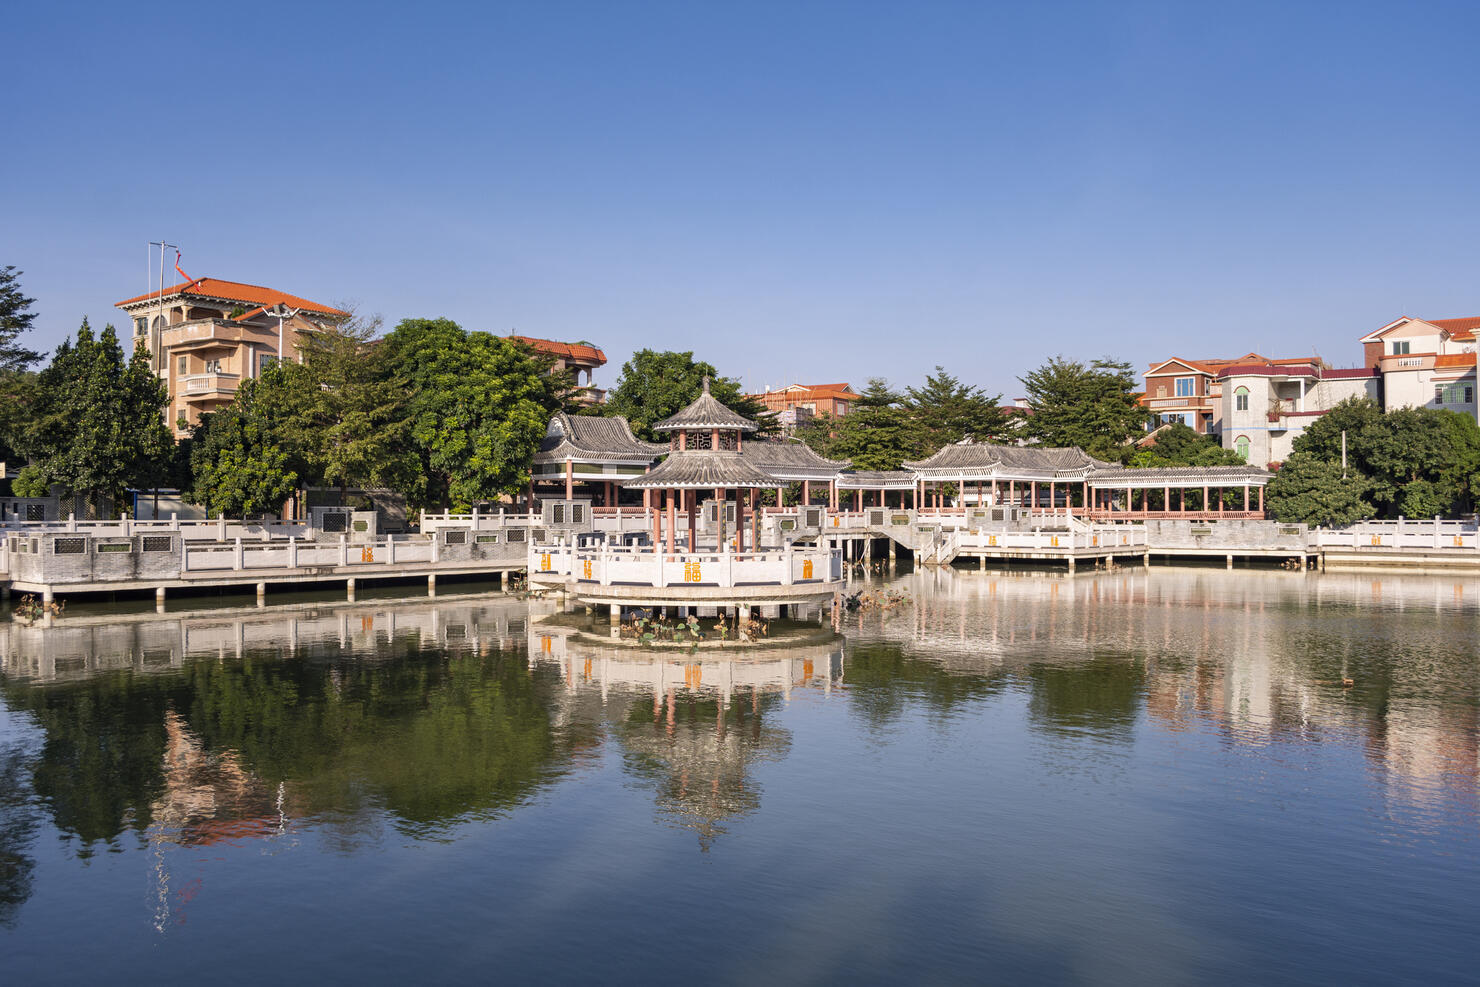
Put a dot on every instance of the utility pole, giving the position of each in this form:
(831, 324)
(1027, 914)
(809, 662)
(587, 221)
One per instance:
(156, 333)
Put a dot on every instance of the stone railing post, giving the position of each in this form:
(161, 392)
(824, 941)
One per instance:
(238, 555)
(292, 552)
(221, 527)
(343, 550)
(390, 549)
(174, 521)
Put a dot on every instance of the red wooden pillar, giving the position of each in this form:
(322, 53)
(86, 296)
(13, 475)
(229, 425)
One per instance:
(1261, 499)
(670, 496)
(691, 501)
(570, 479)
(1246, 498)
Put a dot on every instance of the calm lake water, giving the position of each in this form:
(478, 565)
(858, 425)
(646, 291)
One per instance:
(1125, 777)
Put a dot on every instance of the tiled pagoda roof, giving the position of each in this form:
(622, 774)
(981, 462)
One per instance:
(706, 412)
(588, 438)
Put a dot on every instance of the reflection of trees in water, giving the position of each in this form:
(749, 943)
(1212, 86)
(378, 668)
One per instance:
(432, 738)
(1252, 655)
(698, 752)
(1101, 694)
(18, 823)
(885, 680)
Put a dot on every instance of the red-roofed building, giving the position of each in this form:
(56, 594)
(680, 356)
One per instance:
(797, 404)
(205, 336)
(1425, 363)
(1189, 391)
(577, 358)
(1267, 405)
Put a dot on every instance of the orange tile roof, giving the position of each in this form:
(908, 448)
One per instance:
(1457, 328)
(805, 392)
(568, 351)
(234, 291)
(1454, 360)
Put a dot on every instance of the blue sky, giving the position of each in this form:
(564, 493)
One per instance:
(796, 191)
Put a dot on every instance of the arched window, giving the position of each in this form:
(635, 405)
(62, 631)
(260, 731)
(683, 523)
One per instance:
(1241, 399)
(1241, 446)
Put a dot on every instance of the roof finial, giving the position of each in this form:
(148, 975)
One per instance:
(706, 383)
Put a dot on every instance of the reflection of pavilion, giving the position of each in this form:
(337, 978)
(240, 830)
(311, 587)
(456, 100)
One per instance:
(704, 728)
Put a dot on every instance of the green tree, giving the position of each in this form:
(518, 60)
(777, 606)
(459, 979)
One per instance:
(98, 425)
(16, 317)
(1310, 490)
(476, 409)
(947, 411)
(1179, 445)
(1093, 407)
(878, 433)
(238, 459)
(1414, 462)
(345, 414)
(656, 385)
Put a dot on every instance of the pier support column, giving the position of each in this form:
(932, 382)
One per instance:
(262, 594)
(349, 590)
(1071, 565)
(158, 598)
(742, 619)
(1230, 561)
(500, 577)
(432, 584)
(616, 609)
(1146, 560)
(982, 563)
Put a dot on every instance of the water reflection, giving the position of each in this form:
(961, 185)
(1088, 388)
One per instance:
(694, 727)
(1256, 656)
(420, 721)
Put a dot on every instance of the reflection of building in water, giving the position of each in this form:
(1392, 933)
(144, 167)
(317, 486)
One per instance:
(1258, 654)
(207, 798)
(79, 647)
(694, 726)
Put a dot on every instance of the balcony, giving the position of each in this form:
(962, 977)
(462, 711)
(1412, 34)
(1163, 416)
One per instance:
(1407, 361)
(587, 396)
(204, 331)
(201, 387)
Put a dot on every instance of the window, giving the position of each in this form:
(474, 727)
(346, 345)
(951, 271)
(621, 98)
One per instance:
(1241, 446)
(141, 327)
(180, 365)
(264, 360)
(1401, 347)
(1454, 394)
(1241, 399)
(1186, 387)
(213, 366)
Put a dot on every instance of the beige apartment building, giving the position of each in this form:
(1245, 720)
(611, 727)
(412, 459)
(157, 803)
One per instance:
(205, 336)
